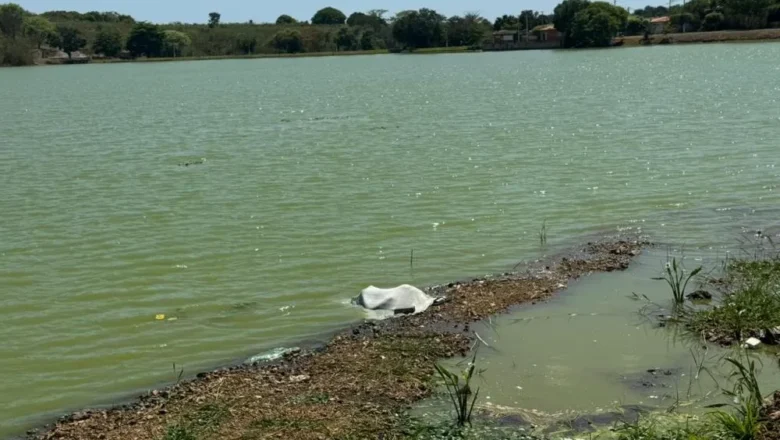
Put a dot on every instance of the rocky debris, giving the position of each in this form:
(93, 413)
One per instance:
(356, 384)
(651, 378)
(700, 295)
(590, 422)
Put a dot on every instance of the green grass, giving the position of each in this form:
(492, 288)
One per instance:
(649, 430)
(178, 432)
(749, 306)
(206, 419)
(744, 422)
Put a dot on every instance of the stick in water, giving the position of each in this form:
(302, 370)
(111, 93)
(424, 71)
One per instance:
(411, 260)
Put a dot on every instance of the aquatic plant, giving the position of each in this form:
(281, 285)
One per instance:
(678, 278)
(543, 234)
(178, 373)
(744, 423)
(463, 399)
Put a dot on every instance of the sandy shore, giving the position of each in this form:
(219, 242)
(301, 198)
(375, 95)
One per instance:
(356, 386)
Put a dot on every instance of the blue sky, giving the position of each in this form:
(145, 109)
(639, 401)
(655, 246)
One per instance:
(193, 11)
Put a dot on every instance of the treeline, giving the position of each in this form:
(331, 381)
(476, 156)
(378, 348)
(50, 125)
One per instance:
(24, 35)
(711, 15)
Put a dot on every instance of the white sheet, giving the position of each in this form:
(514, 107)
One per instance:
(398, 298)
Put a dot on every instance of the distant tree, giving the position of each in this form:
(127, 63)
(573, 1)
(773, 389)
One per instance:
(39, 30)
(712, 21)
(175, 41)
(419, 29)
(596, 25)
(564, 16)
(366, 20)
(214, 18)
(368, 40)
(652, 11)
(379, 14)
(330, 16)
(468, 30)
(286, 19)
(11, 20)
(288, 41)
(637, 25)
(346, 39)
(773, 13)
(699, 8)
(70, 39)
(246, 44)
(145, 39)
(685, 21)
(108, 41)
(505, 22)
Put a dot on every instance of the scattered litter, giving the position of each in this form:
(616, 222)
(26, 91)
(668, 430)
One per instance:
(752, 343)
(299, 379)
(276, 353)
(160, 317)
(173, 319)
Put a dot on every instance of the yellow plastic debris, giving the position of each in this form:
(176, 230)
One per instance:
(160, 317)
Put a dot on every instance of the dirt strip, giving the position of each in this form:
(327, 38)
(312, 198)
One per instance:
(355, 387)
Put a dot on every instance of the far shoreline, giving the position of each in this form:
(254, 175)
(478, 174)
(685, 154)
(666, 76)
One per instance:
(747, 36)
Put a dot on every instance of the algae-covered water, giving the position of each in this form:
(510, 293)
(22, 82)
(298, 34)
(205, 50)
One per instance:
(599, 348)
(314, 178)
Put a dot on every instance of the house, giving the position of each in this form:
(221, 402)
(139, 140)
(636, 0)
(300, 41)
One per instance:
(547, 33)
(505, 36)
(659, 24)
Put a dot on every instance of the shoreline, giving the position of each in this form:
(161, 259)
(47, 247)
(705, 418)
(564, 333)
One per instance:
(726, 36)
(359, 384)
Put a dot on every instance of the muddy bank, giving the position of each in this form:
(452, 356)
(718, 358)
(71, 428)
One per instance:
(357, 386)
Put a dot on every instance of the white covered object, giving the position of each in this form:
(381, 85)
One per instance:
(403, 297)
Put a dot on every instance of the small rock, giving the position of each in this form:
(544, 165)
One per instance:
(700, 295)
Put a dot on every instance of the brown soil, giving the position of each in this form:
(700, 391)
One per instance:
(704, 37)
(355, 387)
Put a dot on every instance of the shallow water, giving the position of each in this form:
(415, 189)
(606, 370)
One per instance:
(597, 348)
(321, 175)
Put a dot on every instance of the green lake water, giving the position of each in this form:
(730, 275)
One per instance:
(318, 178)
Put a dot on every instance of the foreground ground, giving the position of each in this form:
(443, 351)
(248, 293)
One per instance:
(356, 387)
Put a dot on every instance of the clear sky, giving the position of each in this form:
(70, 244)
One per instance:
(196, 11)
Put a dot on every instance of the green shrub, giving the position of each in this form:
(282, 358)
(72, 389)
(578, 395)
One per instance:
(288, 41)
(712, 21)
(18, 53)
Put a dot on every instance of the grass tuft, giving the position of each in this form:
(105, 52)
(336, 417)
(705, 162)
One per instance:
(178, 432)
(463, 399)
(678, 278)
